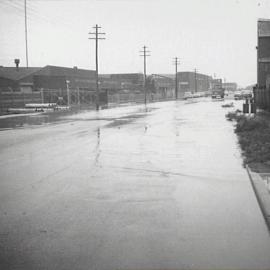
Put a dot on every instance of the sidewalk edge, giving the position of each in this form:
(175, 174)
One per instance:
(262, 194)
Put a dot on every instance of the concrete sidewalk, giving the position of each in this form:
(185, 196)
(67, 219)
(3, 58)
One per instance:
(262, 194)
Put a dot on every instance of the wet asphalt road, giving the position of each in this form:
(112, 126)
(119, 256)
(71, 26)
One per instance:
(129, 188)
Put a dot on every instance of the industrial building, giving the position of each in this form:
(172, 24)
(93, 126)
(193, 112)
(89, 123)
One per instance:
(229, 86)
(161, 87)
(21, 85)
(15, 79)
(263, 51)
(262, 89)
(193, 82)
(215, 84)
(76, 87)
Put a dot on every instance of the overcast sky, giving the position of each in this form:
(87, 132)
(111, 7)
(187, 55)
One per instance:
(214, 36)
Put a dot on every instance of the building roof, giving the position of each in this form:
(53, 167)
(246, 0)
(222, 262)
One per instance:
(16, 74)
(165, 76)
(66, 71)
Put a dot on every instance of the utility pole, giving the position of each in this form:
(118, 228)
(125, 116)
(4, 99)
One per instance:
(145, 54)
(195, 70)
(97, 38)
(176, 63)
(25, 26)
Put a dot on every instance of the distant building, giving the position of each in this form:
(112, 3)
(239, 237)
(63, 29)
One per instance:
(17, 79)
(49, 77)
(134, 78)
(55, 77)
(263, 51)
(161, 86)
(124, 81)
(21, 85)
(215, 84)
(229, 86)
(193, 82)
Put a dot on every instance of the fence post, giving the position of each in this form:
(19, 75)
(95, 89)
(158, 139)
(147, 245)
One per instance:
(78, 96)
(268, 99)
(265, 98)
(42, 95)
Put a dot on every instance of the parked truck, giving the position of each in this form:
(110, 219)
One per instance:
(218, 93)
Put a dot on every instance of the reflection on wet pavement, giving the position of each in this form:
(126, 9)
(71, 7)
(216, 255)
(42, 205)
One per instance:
(161, 187)
(20, 121)
(97, 150)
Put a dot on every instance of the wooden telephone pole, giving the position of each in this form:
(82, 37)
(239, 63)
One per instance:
(145, 54)
(97, 38)
(25, 28)
(176, 63)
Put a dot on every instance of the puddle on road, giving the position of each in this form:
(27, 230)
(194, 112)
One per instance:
(124, 120)
(21, 121)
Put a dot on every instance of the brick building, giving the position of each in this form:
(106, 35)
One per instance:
(161, 87)
(262, 89)
(21, 85)
(229, 86)
(193, 82)
(263, 51)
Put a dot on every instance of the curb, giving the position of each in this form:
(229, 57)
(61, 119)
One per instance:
(262, 194)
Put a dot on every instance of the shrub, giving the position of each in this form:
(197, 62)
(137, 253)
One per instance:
(249, 124)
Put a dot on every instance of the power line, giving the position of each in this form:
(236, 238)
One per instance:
(145, 54)
(97, 38)
(19, 11)
(25, 11)
(176, 63)
(34, 15)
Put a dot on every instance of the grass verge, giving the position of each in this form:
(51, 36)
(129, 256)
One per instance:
(254, 139)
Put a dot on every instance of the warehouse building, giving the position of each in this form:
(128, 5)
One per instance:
(262, 89)
(263, 51)
(193, 82)
(229, 86)
(21, 85)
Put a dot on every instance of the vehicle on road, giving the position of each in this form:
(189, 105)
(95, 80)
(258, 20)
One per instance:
(244, 94)
(218, 94)
(247, 94)
(238, 95)
(187, 95)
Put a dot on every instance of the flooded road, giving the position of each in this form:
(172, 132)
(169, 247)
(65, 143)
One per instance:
(161, 187)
